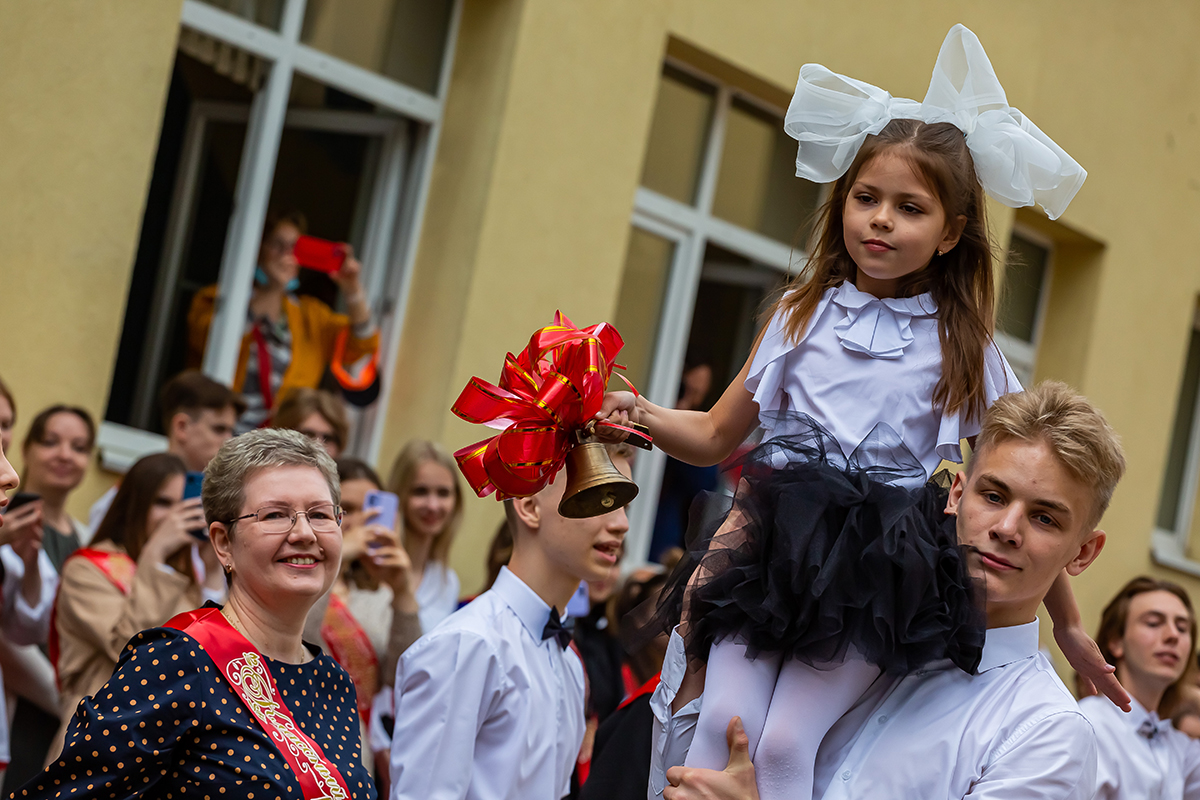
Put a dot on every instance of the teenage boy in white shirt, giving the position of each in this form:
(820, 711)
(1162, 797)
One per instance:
(1027, 505)
(489, 704)
(1149, 632)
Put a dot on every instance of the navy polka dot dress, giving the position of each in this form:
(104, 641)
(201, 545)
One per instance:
(167, 725)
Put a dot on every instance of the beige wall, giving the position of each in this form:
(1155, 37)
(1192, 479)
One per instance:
(82, 87)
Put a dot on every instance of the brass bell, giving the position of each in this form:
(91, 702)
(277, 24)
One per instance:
(594, 485)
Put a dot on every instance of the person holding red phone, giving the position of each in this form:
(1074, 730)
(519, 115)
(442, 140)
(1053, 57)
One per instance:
(290, 340)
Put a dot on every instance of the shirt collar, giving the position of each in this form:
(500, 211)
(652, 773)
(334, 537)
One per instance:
(1004, 646)
(1143, 721)
(525, 603)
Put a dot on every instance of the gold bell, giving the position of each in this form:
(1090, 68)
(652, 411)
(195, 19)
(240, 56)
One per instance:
(594, 485)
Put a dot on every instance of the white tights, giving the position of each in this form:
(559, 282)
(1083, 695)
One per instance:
(786, 707)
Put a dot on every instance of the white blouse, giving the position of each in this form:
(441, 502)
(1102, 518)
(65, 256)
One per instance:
(1141, 756)
(861, 361)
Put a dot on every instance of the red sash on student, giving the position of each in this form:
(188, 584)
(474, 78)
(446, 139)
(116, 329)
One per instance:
(352, 648)
(117, 567)
(244, 667)
(265, 365)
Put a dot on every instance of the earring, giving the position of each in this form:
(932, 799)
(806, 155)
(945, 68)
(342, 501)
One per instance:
(228, 569)
(939, 252)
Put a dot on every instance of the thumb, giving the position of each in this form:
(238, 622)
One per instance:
(739, 745)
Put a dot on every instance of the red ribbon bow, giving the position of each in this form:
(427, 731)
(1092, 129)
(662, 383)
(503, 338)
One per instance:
(554, 387)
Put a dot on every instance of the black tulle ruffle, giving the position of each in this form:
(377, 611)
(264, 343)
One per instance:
(830, 553)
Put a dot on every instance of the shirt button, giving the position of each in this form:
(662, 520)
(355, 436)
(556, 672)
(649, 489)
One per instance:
(883, 719)
(846, 775)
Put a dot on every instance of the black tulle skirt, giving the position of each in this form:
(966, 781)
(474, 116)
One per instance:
(828, 553)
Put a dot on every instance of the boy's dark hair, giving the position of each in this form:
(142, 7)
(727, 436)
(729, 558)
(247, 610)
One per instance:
(191, 391)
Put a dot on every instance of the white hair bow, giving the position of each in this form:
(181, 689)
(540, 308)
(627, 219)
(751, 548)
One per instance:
(831, 115)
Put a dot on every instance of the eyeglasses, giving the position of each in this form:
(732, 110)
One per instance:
(322, 518)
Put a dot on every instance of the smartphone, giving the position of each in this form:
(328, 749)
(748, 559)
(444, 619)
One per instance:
(388, 505)
(21, 498)
(320, 254)
(193, 485)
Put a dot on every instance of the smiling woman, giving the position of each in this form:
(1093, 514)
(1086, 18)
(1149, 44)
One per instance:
(245, 693)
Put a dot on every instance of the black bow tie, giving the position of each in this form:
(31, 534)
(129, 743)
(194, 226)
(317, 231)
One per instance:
(554, 627)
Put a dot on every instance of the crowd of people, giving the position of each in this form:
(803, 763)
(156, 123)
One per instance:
(254, 613)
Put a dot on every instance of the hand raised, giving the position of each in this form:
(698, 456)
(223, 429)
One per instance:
(173, 531)
(619, 408)
(735, 782)
(23, 530)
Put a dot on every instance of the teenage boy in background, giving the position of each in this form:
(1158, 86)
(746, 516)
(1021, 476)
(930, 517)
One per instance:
(490, 703)
(198, 415)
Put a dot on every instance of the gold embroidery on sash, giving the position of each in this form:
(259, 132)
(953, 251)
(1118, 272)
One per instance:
(250, 675)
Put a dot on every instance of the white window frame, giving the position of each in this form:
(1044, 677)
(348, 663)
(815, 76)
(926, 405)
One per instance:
(401, 190)
(692, 228)
(1022, 356)
(1170, 548)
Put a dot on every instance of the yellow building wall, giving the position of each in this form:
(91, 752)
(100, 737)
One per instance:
(546, 125)
(82, 88)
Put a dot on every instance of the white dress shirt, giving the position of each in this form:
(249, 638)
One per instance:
(485, 709)
(1010, 731)
(864, 360)
(1141, 756)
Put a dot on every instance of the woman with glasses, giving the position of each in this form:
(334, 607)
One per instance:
(143, 567)
(319, 415)
(230, 698)
(289, 339)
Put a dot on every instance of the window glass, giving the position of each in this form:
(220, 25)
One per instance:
(639, 306)
(264, 12)
(1020, 296)
(401, 39)
(678, 133)
(1181, 436)
(757, 187)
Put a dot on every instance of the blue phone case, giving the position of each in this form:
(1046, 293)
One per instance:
(193, 484)
(388, 505)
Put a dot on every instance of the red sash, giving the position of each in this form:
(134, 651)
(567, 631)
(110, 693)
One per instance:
(117, 567)
(351, 647)
(243, 666)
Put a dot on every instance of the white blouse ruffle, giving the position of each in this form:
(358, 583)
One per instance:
(863, 360)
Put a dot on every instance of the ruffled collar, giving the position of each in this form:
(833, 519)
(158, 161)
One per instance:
(878, 327)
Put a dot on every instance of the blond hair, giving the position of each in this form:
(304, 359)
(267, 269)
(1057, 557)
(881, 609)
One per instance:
(404, 474)
(1074, 429)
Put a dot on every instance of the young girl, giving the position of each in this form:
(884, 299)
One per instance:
(835, 560)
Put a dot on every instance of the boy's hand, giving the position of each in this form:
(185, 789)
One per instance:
(1085, 658)
(735, 782)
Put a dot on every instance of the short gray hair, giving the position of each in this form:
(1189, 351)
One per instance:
(242, 456)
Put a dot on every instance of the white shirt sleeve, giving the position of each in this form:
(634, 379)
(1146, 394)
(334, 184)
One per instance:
(1053, 758)
(673, 733)
(446, 685)
(24, 624)
(1191, 771)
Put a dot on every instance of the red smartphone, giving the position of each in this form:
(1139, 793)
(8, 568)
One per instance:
(320, 254)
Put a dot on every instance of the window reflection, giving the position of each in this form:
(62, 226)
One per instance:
(757, 187)
(678, 133)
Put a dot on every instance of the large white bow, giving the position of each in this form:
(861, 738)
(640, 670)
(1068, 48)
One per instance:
(831, 115)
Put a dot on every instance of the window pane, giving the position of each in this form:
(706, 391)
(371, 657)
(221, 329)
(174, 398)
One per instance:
(678, 133)
(265, 12)
(639, 306)
(1024, 274)
(402, 39)
(757, 186)
(1181, 434)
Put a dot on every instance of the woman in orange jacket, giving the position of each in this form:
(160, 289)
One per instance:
(295, 336)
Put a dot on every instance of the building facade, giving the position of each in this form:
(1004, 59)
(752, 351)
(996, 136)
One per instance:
(496, 160)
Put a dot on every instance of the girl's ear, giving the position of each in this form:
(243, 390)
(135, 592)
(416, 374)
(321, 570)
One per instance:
(954, 232)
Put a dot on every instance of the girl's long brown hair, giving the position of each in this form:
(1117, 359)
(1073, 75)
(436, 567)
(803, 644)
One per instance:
(961, 281)
(125, 522)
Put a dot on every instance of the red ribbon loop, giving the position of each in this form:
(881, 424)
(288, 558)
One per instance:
(550, 389)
